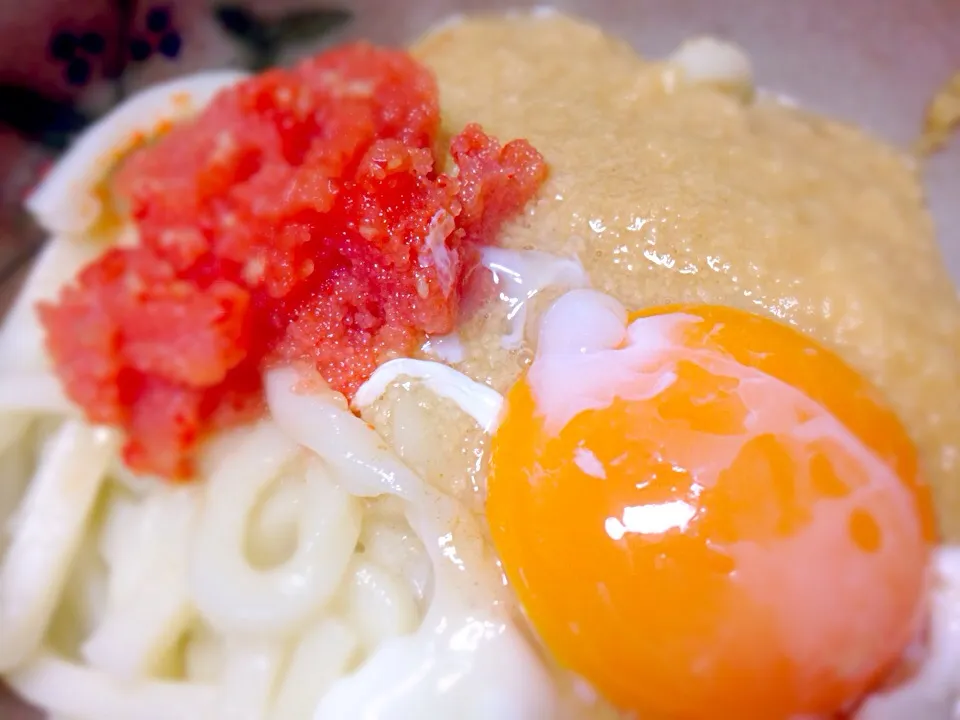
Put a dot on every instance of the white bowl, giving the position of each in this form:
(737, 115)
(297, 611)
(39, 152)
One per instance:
(873, 62)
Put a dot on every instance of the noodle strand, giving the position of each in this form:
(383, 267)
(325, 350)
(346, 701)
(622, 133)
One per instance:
(147, 617)
(48, 531)
(324, 654)
(86, 694)
(237, 598)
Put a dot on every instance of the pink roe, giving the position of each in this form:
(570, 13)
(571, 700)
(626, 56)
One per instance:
(301, 216)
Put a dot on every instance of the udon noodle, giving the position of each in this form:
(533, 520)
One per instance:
(307, 550)
(308, 547)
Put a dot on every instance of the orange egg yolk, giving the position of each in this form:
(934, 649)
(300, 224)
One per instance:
(714, 518)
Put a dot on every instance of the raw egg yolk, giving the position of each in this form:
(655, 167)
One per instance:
(711, 517)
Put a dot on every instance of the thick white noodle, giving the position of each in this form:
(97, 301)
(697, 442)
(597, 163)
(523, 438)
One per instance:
(21, 335)
(272, 535)
(66, 202)
(323, 654)
(237, 598)
(119, 524)
(711, 61)
(320, 421)
(389, 541)
(173, 567)
(84, 599)
(16, 467)
(467, 643)
(60, 686)
(377, 604)
(49, 527)
(205, 655)
(149, 605)
(455, 666)
(251, 674)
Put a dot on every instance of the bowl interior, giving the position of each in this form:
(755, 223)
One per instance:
(873, 62)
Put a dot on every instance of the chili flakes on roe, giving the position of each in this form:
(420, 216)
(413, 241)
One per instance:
(300, 216)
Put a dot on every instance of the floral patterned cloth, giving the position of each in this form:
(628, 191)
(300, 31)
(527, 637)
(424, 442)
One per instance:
(63, 63)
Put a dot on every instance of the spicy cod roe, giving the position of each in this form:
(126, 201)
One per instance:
(300, 216)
